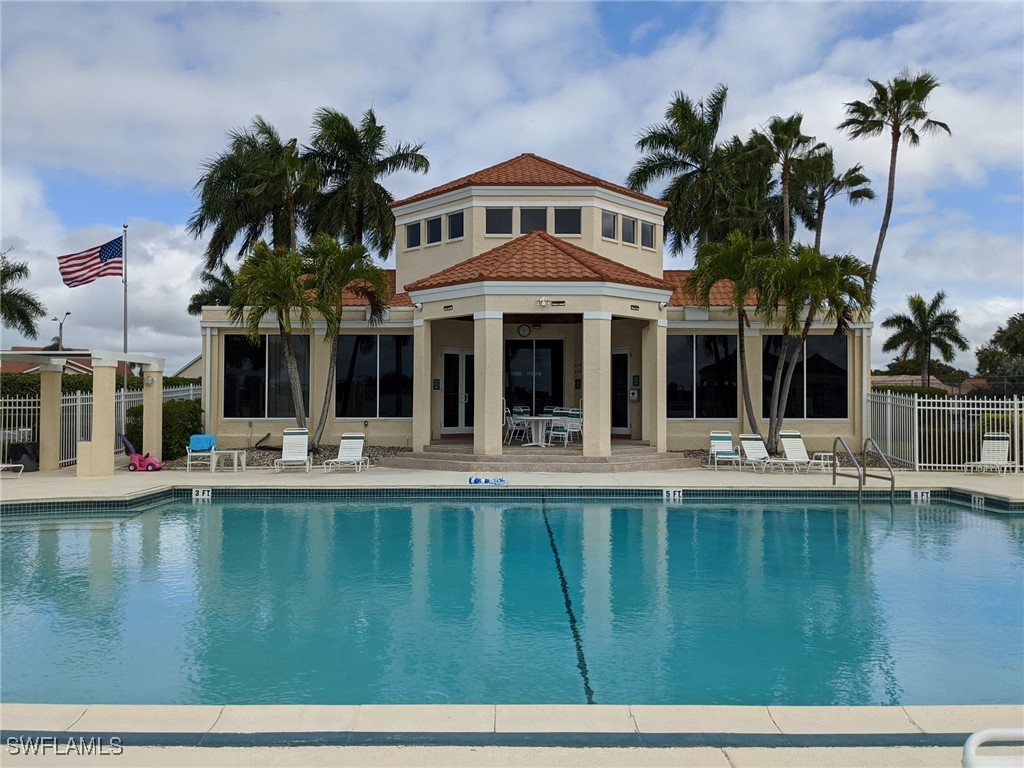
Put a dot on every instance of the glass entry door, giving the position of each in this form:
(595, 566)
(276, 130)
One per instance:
(620, 393)
(457, 392)
(534, 374)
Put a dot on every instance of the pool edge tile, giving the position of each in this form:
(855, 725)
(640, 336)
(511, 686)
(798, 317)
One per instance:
(40, 717)
(696, 718)
(563, 718)
(140, 718)
(424, 718)
(291, 718)
(793, 720)
(965, 717)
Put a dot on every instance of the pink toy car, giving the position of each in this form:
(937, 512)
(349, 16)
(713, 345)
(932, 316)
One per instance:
(137, 461)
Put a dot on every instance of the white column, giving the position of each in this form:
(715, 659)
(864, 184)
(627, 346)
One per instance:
(488, 384)
(597, 384)
(654, 403)
(421, 384)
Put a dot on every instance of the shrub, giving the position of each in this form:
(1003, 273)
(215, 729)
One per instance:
(182, 419)
(27, 384)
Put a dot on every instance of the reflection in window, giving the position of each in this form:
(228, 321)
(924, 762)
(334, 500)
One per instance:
(701, 377)
(628, 230)
(456, 225)
(531, 219)
(374, 376)
(608, 224)
(568, 221)
(646, 234)
(256, 383)
(820, 386)
(434, 230)
(412, 235)
(498, 221)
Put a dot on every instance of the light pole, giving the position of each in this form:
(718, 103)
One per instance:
(60, 331)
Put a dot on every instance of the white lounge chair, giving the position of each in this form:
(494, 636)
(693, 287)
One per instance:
(19, 468)
(995, 454)
(758, 457)
(350, 453)
(294, 450)
(795, 450)
(723, 451)
(515, 427)
(200, 451)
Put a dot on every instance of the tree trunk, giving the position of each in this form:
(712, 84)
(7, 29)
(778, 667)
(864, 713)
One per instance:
(293, 373)
(785, 205)
(776, 428)
(773, 408)
(926, 377)
(819, 222)
(888, 208)
(332, 370)
(741, 350)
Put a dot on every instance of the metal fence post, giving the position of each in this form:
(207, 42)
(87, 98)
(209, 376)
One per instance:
(915, 432)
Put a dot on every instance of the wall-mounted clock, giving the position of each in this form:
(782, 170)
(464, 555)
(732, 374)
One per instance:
(524, 330)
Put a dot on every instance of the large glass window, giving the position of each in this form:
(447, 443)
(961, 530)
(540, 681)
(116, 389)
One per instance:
(456, 225)
(498, 221)
(256, 383)
(701, 377)
(534, 374)
(531, 219)
(646, 234)
(820, 386)
(434, 230)
(608, 224)
(628, 230)
(374, 377)
(568, 221)
(412, 235)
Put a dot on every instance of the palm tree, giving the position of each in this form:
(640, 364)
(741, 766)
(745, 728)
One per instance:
(898, 106)
(217, 289)
(821, 183)
(732, 260)
(804, 288)
(335, 269)
(683, 150)
(926, 326)
(19, 309)
(352, 204)
(788, 147)
(258, 185)
(272, 281)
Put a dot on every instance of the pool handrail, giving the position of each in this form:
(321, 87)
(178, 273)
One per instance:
(869, 445)
(971, 758)
(853, 459)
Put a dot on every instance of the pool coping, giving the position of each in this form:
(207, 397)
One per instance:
(607, 725)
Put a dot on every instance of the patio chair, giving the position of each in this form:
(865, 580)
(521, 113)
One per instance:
(294, 450)
(350, 452)
(995, 454)
(574, 423)
(200, 451)
(13, 467)
(723, 451)
(559, 431)
(758, 457)
(515, 427)
(795, 450)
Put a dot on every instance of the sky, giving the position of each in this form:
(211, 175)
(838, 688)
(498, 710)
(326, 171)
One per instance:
(110, 109)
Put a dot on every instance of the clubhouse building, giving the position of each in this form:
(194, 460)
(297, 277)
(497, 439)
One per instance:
(533, 284)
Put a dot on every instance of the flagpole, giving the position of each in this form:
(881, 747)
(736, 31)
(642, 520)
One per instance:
(124, 280)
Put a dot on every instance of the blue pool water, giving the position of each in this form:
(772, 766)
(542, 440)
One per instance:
(614, 601)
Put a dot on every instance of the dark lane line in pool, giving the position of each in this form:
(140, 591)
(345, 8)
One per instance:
(581, 660)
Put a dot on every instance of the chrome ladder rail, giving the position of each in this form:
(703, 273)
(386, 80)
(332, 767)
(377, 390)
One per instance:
(870, 443)
(853, 459)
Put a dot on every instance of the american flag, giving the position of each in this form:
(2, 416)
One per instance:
(85, 266)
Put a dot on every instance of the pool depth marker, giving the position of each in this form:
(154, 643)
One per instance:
(581, 660)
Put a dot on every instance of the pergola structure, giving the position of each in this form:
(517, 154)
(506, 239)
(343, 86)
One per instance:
(95, 456)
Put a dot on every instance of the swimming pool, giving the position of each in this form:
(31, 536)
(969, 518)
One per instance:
(625, 600)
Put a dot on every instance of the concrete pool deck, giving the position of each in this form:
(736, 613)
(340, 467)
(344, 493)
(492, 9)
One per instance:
(503, 734)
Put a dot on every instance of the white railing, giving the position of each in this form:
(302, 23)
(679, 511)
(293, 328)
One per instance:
(936, 433)
(19, 418)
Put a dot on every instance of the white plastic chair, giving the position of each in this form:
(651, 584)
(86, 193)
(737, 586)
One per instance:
(559, 431)
(757, 455)
(515, 426)
(19, 468)
(995, 454)
(795, 450)
(200, 451)
(723, 451)
(294, 450)
(350, 453)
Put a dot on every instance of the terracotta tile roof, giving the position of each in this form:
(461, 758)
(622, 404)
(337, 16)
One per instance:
(539, 256)
(721, 293)
(529, 170)
(350, 299)
(71, 364)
